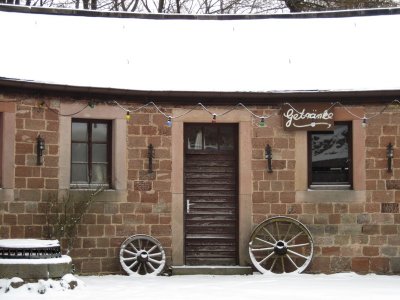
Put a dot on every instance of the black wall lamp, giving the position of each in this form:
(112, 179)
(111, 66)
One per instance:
(268, 157)
(389, 155)
(150, 156)
(40, 146)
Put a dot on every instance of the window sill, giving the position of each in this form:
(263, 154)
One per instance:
(329, 187)
(330, 196)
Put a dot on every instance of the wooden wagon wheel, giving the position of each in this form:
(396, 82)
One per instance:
(281, 245)
(142, 255)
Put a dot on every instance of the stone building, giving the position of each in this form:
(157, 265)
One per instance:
(71, 78)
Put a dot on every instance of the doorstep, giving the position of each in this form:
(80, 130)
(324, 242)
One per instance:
(211, 270)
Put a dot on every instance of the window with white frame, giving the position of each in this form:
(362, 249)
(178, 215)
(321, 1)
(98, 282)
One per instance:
(91, 153)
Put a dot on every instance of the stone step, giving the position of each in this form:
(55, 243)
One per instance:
(211, 270)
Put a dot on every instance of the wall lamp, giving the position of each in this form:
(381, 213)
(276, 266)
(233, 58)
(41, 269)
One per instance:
(389, 155)
(268, 157)
(40, 146)
(150, 156)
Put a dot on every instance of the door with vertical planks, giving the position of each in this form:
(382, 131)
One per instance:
(211, 194)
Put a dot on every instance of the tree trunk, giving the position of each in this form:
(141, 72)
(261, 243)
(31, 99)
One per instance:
(161, 6)
(93, 5)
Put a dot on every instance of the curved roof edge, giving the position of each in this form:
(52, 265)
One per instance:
(111, 14)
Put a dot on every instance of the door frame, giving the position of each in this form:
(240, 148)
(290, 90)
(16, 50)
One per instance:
(244, 122)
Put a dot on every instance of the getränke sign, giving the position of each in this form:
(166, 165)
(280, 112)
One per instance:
(307, 116)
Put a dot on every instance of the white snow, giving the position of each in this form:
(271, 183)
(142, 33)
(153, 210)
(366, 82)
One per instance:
(266, 55)
(64, 259)
(28, 243)
(255, 287)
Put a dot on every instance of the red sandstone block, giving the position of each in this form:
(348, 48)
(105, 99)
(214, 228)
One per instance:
(9, 219)
(389, 229)
(370, 251)
(148, 197)
(35, 183)
(88, 242)
(25, 219)
(31, 124)
(261, 208)
(278, 209)
(320, 265)
(52, 125)
(20, 183)
(325, 208)
(96, 230)
(17, 232)
(151, 219)
(309, 208)
(149, 130)
(22, 171)
(51, 161)
(285, 175)
(334, 219)
(360, 265)
(161, 230)
(379, 265)
(287, 197)
(330, 251)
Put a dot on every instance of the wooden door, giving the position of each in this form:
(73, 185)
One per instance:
(211, 194)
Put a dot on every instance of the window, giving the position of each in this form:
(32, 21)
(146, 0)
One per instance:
(210, 138)
(330, 158)
(90, 153)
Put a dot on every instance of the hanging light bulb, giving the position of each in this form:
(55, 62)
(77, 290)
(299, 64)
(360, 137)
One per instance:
(128, 115)
(169, 121)
(214, 119)
(262, 122)
(364, 122)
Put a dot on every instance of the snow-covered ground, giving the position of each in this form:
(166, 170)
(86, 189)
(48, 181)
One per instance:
(303, 286)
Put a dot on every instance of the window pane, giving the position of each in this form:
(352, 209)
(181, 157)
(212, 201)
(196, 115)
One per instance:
(79, 173)
(79, 152)
(195, 138)
(99, 173)
(211, 137)
(226, 138)
(99, 132)
(79, 132)
(330, 156)
(99, 153)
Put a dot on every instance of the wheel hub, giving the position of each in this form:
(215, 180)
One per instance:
(142, 256)
(280, 248)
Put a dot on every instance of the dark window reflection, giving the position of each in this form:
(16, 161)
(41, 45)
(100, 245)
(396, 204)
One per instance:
(330, 156)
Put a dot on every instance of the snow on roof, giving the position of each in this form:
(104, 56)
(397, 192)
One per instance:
(242, 55)
(28, 243)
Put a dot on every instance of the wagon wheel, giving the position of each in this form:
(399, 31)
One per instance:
(281, 245)
(142, 255)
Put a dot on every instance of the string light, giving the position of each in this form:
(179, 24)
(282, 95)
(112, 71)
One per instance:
(364, 122)
(169, 121)
(128, 115)
(262, 118)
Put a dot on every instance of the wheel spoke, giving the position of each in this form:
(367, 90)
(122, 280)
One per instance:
(295, 237)
(155, 254)
(262, 249)
(277, 231)
(155, 261)
(266, 258)
(283, 265)
(264, 241)
(129, 252)
(129, 258)
(287, 233)
(298, 254)
(298, 245)
(273, 264)
(266, 230)
(151, 266)
(152, 249)
(291, 260)
(133, 265)
(133, 247)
